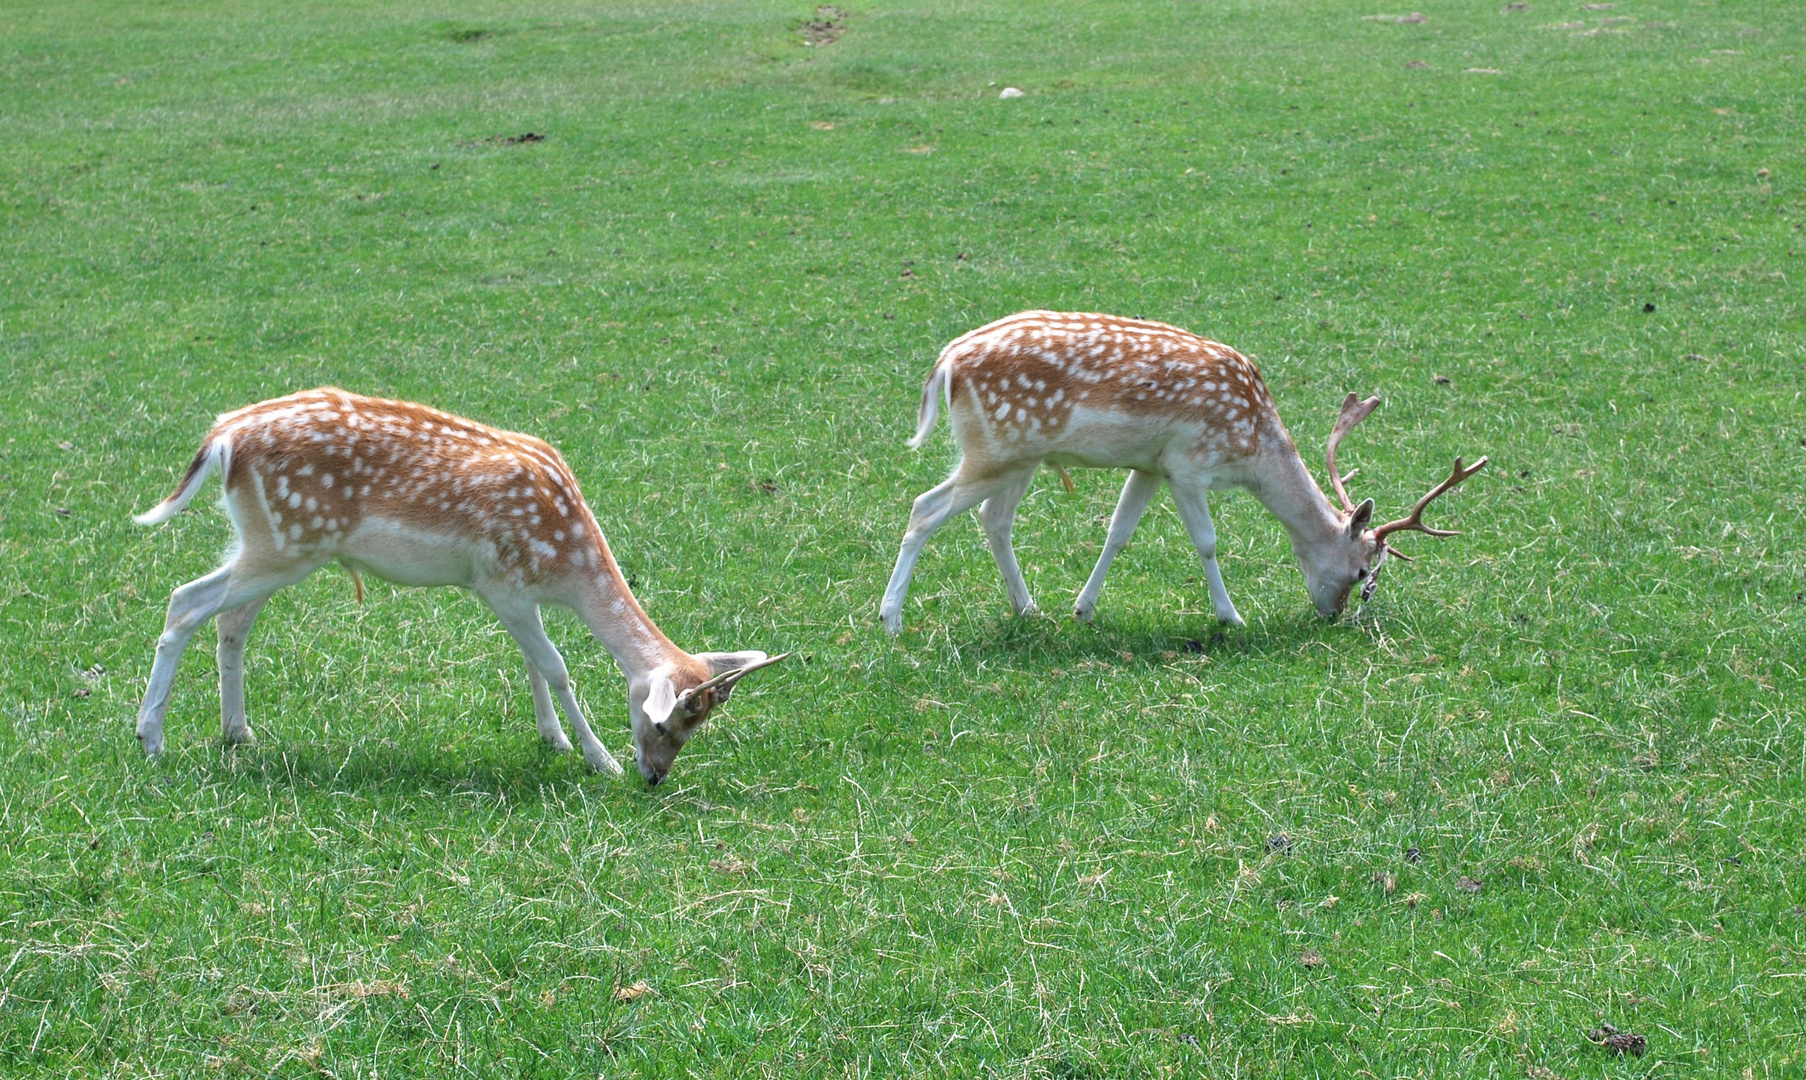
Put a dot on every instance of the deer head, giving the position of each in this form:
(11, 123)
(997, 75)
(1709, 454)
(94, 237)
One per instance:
(1357, 558)
(665, 717)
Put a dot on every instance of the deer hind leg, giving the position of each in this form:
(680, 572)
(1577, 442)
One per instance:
(234, 626)
(932, 509)
(233, 585)
(1136, 494)
(1194, 510)
(998, 514)
(549, 728)
(523, 624)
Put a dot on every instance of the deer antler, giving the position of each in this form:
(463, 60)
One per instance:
(724, 682)
(1353, 412)
(1414, 523)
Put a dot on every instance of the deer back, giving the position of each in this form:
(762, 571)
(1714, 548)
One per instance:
(1103, 391)
(329, 474)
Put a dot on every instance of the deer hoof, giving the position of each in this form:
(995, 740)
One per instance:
(603, 762)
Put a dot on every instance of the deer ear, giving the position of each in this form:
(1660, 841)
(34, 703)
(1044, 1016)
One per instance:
(1360, 518)
(661, 701)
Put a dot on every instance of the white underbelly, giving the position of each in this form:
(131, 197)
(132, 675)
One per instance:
(1143, 461)
(409, 556)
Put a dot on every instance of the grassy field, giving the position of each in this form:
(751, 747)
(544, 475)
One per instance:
(1552, 776)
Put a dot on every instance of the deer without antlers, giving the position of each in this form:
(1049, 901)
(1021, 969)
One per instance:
(422, 497)
(1098, 391)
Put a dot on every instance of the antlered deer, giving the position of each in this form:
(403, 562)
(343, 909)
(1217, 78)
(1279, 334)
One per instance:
(1102, 392)
(422, 497)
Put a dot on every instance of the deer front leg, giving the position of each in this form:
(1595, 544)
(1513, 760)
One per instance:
(549, 728)
(998, 515)
(523, 624)
(1136, 494)
(234, 626)
(1194, 510)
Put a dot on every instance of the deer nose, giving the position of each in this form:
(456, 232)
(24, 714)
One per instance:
(653, 779)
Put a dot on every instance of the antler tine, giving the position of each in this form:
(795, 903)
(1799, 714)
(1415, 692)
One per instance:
(1414, 523)
(1353, 412)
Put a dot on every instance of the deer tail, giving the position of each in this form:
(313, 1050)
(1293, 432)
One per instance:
(933, 392)
(215, 453)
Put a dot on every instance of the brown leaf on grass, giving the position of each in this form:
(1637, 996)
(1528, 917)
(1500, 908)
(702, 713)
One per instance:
(1469, 885)
(733, 864)
(1387, 881)
(625, 995)
(1416, 64)
(1538, 1072)
(1311, 958)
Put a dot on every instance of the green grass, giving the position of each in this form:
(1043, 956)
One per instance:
(993, 847)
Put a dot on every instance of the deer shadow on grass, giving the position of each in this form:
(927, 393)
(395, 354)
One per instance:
(1134, 640)
(508, 769)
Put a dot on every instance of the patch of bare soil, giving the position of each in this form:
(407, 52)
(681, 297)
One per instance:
(1619, 1042)
(507, 140)
(825, 27)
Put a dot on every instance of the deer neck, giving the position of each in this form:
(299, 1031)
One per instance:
(607, 606)
(1286, 488)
